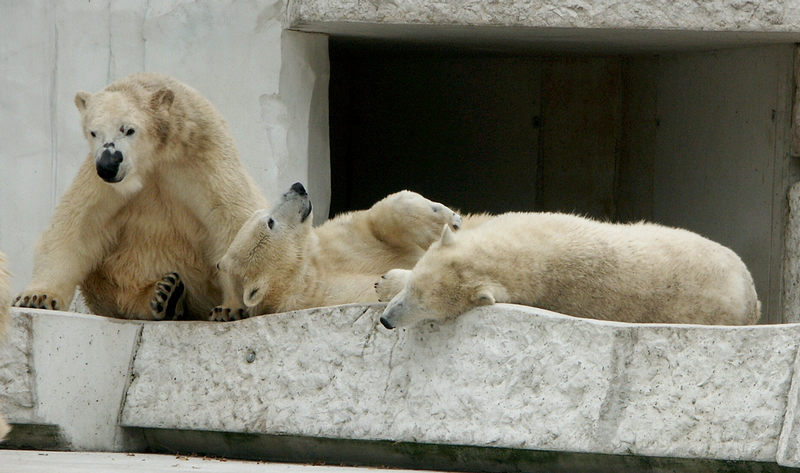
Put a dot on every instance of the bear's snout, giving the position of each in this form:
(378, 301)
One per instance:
(298, 189)
(108, 165)
(386, 323)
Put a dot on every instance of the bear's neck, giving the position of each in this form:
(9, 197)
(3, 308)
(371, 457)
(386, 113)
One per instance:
(302, 289)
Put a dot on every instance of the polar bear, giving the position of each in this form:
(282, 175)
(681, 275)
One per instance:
(154, 206)
(279, 262)
(5, 302)
(627, 272)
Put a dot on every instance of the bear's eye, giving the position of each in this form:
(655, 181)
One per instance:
(130, 132)
(217, 266)
(94, 135)
(270, 223)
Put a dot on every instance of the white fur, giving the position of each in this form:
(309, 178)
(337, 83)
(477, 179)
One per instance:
(181, 197)
(294, 266)
(628, 272)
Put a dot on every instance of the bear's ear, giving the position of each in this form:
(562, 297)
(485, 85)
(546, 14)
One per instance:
(162, 99)
(81, 100)
(484, 296)
(448, 237)
(254, 293)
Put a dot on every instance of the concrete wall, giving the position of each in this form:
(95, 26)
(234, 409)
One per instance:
(269, 83)
(501, 388)
(721, 154)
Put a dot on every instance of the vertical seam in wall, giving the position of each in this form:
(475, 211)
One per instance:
(779, 204)
(31, 360)
(54, 118)
(129, 379)
(787, 424)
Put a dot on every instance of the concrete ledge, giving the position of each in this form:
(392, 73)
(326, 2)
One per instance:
(632, 25)
(700, 15)
(64, 375)
(509, 377)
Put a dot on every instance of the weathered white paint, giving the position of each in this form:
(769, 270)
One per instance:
(235, 53)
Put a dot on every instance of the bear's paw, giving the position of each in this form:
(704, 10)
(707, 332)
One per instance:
(33, 300)
(168, 302)
(391, 283)
(224, 314)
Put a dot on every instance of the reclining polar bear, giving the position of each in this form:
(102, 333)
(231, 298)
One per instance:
(279, 262)
(626, 272)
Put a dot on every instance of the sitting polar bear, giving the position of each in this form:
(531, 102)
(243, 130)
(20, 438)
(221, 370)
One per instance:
(5, 302)
(279, 262)
(154, 206)
(627, 272)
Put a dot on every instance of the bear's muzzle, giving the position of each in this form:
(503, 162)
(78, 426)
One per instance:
(108, 165)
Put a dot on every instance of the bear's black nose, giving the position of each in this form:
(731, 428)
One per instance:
(298, 189)
(386, 323)
(108, 165)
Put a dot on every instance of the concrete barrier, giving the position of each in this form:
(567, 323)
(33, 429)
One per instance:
(504, 377)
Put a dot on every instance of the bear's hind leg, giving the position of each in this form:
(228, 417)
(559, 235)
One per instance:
(169, 298)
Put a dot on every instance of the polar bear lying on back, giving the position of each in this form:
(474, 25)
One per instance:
(279, 262)
(627, 272)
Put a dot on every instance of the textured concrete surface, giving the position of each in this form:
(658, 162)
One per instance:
(702, 15)
(69, 371)
(17, 396)
(504, 377)
(507, 376)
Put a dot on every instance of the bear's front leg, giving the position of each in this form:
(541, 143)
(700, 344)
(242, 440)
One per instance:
(80, 232)
(406, 219)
